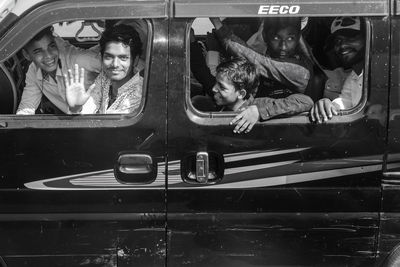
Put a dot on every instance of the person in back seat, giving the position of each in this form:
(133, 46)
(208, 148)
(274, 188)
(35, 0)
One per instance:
(51, 58)
(284, 71)
(343, 89)
(235, 85)
(118, 88)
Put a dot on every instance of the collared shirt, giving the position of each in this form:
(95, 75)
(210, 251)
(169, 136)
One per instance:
(37, 84)
(243, 106)
(344, 87)
(128, 97)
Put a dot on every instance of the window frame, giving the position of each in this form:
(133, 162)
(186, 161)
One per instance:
(224, 117)
(62, 11)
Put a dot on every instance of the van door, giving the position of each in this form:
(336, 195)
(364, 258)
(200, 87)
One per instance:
(389, 230)
(85, 190)
(289, 192)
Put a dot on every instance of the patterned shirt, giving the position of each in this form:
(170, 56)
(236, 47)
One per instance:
(128, 97)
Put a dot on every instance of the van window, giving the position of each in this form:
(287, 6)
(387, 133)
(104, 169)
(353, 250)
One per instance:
(299, 61)
(42, 79)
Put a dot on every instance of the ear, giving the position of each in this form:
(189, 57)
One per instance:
(242, 94)
(135, 65)
(135, 61)
(26, 54)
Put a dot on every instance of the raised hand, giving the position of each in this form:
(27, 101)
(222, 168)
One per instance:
(76, 93)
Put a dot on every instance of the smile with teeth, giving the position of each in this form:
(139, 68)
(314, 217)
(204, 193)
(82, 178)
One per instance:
(50, 63)
(345, 52)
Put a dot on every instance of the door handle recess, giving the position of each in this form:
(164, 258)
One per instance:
(135, 163)
(135, 168)
(202, 167)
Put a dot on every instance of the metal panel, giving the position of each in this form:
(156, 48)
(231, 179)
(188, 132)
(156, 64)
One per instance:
(259, 8)
(55, 12)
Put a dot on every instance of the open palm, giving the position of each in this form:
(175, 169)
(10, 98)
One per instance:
(76, 93)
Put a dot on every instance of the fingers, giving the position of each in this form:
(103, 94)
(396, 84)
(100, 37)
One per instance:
(328, 109)
(82, 76)
(249, 127)
(66, 81)
(241, 126)
(236, 119)
(334, 110)
(313, 117)
(322, 113)
(76, 70)
(75, 76)
(70, 76)
(323, 110)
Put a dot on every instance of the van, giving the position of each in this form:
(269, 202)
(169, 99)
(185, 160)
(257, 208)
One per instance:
(171, 185)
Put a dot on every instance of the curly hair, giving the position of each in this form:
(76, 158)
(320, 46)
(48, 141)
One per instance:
(124, 34)
(241, 73)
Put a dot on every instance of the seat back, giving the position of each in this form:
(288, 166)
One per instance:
(316, 84)
(8, 92)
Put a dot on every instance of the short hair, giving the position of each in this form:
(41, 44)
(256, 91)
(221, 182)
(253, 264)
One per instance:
(241, 73)
(124, 34)
(274, 24)
(48, 31)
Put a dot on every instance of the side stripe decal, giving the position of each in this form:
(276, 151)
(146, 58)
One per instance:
(253, 176)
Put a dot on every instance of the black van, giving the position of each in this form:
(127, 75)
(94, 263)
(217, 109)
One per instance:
(172, 185)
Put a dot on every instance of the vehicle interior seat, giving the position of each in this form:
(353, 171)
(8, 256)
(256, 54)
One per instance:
(8, 92)
(316, 85)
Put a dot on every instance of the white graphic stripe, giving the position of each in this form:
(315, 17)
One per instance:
(259, 154)
(105, 180)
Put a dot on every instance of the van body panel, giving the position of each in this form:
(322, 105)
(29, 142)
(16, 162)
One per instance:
(281, 181)
(61, 203)
(389, 230)
(290, 192)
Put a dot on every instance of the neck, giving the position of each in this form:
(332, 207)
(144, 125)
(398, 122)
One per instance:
(235, 106)
(115, 85)
(358, 67)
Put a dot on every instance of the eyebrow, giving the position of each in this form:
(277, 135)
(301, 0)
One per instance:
(37, 50)
(121, 55)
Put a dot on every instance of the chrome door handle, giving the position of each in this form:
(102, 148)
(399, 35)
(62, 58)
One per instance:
(204, 167)
(135, 163)
(135, 168)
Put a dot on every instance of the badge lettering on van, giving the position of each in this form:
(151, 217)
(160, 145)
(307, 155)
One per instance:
(278, 10)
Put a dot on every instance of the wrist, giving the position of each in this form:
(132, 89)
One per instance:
(75, 109)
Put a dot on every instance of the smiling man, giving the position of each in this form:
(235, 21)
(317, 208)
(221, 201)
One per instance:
(343, 89)
(51, 57)
(118, 88)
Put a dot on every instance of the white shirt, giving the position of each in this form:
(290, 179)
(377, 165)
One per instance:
(54, 89)
(344, 87)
